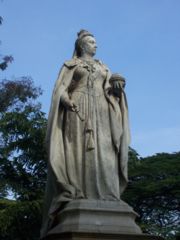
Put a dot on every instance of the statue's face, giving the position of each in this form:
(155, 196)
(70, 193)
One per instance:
(89, 45)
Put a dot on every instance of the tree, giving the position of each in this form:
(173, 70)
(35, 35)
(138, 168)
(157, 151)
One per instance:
(22, 133)
(154, 193)
(20, 220)
(22, 159)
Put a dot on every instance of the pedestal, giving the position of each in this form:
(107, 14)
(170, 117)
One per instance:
(101, 236)
(95, 219)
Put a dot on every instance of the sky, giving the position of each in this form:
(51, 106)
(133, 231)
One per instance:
(138, 39)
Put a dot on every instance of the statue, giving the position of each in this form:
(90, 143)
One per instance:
(87, 133)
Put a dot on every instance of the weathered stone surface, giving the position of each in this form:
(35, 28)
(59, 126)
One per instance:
(95, 216)
(101, 236)
(87, 143)
(94, 219)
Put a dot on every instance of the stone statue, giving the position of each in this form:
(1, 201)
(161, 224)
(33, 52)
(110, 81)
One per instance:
(87, 133)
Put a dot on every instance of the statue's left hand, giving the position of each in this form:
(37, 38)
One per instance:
(117, 88)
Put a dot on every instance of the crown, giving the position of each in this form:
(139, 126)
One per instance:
(83, 33)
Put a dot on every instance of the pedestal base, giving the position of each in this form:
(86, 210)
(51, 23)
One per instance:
(95, 219)
(101, 236)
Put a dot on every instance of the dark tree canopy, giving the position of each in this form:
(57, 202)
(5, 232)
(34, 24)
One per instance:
(16, 94)
(154, 192)
(20, 220)
(22, 132)
(22, 159)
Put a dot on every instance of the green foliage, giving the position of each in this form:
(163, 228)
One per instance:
(20, 220)
(154, 192)
(22, 157)
(17, 94)
(22, 133)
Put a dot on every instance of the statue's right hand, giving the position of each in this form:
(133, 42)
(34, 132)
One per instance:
(70, 105)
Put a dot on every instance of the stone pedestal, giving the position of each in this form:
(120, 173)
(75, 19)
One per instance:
(94, 219)
(101, 236)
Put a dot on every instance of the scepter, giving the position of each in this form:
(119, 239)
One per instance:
(77, 112)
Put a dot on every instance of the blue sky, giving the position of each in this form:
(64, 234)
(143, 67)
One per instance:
(139, 39)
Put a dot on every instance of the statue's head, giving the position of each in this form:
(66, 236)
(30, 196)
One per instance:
(85, 43)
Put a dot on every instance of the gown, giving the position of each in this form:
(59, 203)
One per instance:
(91, 157)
